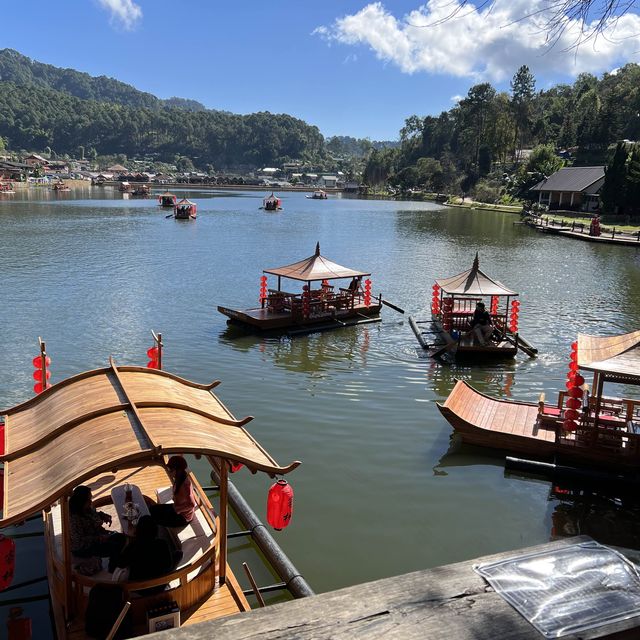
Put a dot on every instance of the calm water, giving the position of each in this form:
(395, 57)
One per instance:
(380, 491)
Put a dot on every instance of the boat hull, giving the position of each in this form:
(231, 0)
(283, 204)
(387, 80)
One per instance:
(516, 427)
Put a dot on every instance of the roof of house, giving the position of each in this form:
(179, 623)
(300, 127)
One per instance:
(571, 179)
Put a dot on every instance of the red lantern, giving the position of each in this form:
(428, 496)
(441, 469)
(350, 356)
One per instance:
(152, 353)
(7, 561)
(19, 627)
(41, 372)
(1, 449)
(569, 425)
(571, 414)
(37, 362)
(578, 380)
(367, 292)
(573, 403)
(263, 288)
(576, 392)
(280, 505)
(236, 466)
(494, 305)
(573, 366)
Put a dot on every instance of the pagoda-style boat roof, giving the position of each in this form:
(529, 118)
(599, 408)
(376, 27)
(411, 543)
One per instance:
(315, 267)
(473, 282)
(185, 201)
(113, 418)
(617, 357)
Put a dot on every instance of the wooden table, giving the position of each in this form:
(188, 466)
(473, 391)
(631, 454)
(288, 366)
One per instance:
(118, 497)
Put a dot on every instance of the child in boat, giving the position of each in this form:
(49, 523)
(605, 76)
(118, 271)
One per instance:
(481, 324)
(180, 513)
(89, 539)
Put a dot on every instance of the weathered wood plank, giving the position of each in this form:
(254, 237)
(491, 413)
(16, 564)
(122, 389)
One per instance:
(445, 602)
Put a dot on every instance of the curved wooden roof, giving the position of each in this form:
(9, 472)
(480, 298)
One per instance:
(315, 267)
(474, 282)
(612, 355)
(113, 418)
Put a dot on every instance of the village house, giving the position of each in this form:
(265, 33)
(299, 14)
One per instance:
(34, 160)
(571, 189)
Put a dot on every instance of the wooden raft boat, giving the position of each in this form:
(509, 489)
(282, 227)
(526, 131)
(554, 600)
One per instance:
(117, 425)
(452, 309)
(185, 210)
(604, 432)
(167, 199)
(312, 309)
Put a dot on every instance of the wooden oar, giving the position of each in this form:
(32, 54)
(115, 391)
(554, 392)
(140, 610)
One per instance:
(531, 352)
(169, 216)
(393, 306)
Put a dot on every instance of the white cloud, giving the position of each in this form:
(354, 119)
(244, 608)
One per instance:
(126, 12)
(456, 99)
(489, 43)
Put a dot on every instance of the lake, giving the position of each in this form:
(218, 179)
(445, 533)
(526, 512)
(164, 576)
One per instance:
(382, 489)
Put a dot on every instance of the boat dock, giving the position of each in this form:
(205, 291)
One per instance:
(580, 231)
(449, 601)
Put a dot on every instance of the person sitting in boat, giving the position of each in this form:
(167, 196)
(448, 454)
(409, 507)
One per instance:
(89, 538)
(355, 285)
(481, 324)
(150, 554)
(180, 513)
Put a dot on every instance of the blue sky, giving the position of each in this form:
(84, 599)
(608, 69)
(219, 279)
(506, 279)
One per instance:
(350, 68)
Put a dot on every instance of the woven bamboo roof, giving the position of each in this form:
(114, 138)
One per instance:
(474, 282)
(315, 267)
(112, 418)
(612, 355)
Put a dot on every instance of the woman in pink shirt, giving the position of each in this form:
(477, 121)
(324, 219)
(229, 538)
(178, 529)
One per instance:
(180, 513)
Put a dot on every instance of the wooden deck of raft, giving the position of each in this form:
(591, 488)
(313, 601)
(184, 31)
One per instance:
(497, 423)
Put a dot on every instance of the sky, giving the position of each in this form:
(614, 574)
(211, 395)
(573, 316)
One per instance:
(349, 67)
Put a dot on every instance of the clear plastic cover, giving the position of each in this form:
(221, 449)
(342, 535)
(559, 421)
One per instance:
(568, 590)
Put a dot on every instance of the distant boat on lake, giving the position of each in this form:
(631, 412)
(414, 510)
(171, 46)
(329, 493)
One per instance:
(185, 210)
(312, 309)
(272, 203)
(318, 195)
(167, 199)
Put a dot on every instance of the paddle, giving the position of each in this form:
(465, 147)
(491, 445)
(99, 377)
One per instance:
(169, 216)
(393, 306)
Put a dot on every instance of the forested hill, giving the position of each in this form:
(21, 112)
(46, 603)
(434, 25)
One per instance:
(43, 106)
(16, 68)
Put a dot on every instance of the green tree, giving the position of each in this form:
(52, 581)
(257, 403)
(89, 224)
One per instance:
(614, 189)
(523, 88)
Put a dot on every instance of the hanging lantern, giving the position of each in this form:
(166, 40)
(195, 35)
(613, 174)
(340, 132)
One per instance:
(569, 425)
(494, 305)
(367, 292)
(435, 299)
(513, 319)
(7, 561)
(571, 414)
(263, 288)
(41, 372)
(578, 380)
(576, 392)
(306, 301)
(236, 466)
(19, 627)
(573, 403)
(1, 448)
(280, 504)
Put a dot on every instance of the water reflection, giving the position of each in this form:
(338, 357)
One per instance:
(314, 355)
(609, 519)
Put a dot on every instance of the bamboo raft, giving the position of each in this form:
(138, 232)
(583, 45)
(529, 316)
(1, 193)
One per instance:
(313, 309)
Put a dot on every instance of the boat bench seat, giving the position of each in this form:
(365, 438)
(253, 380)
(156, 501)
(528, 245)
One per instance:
(195, 539)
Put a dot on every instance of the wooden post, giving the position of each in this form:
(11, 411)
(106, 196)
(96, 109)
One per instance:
(160, 351)
(224, 513)
(43, 362)
(66, 558)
